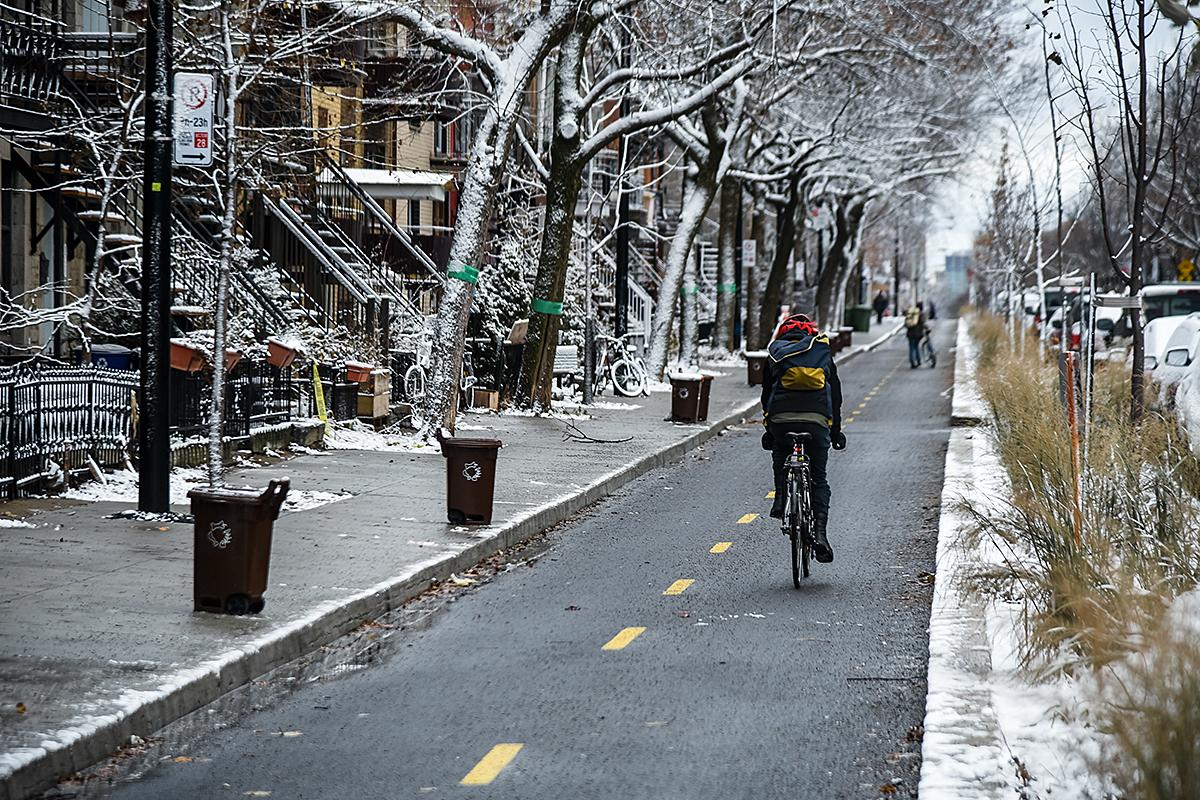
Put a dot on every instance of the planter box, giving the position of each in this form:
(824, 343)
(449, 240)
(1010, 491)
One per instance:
(358, 372)
(279, 354)
(232, 357)
(186, 357)
(485, 398)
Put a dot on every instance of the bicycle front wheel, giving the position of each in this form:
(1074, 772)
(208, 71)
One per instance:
(414, 384)
(626, 379)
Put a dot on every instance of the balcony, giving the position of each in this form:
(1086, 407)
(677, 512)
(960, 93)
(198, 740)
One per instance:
(30, 47)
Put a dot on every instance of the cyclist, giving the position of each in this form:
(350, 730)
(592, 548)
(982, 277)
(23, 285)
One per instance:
(916, 328)
(802, 394)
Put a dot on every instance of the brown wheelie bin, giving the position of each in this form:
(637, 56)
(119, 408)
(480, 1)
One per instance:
(686, 396)
(233, 546)
(705, 394)
(470, 479)
(756, 365)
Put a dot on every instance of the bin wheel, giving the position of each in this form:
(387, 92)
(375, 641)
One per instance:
(237, 604)
(256, 606)
(456, 517)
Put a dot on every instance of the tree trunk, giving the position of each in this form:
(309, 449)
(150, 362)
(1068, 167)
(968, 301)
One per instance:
(840, 259)
(562, 193)
(697, 198)
(726, 266)
(689, 325)
(785, 240)
(489, 154)
(755, 338)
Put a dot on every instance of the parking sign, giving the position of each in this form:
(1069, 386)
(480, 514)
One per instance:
(194, 100)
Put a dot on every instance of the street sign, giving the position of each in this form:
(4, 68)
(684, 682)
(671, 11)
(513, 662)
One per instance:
(749, 253)
(195, 97)
(1186, 270)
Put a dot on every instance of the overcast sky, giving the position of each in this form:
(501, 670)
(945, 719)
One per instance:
(961, 205)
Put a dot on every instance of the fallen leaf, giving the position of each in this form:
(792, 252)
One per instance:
(457, 581)
(183, 759)
(21, 709)
(164, 528)
(888, 788)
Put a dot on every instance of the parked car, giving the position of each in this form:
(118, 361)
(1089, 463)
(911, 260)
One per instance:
(1170, 300)
(1157, 335)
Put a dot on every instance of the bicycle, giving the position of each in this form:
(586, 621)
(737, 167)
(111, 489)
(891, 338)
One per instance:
(415, 376)
(797, 511)
(927, 351)
(619, 365)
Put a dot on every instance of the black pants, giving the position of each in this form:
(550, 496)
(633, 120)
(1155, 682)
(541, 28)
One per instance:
(818, 457)
(879, 316)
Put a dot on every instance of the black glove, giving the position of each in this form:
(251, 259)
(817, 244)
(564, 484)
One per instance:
(768, 441)
(839, 440)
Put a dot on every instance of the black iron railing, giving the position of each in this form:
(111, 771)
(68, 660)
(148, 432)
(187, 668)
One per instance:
(55, 419)
(30, 46)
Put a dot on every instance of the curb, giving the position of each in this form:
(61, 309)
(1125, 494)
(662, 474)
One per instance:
(207, 682)
(963, 753)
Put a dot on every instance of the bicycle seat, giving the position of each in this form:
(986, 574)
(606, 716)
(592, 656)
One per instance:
(800, 437)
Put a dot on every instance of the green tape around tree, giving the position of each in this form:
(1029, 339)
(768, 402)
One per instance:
(547, 307)
(466, 273)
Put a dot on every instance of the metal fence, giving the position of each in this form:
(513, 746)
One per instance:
(57, 418)
(54, 418)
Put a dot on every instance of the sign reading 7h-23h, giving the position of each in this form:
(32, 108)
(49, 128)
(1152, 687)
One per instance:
(195, 97)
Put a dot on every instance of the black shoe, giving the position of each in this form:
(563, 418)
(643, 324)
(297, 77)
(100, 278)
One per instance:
(777, 508)
(821, 548)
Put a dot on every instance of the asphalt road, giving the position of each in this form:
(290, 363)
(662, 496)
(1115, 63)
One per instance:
(542, 683)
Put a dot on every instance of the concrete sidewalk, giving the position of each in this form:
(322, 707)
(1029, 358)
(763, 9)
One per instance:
(99, 638)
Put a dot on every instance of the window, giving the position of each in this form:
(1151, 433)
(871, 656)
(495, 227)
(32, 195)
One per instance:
(441, 139)
(1172, 305)
(414, 214)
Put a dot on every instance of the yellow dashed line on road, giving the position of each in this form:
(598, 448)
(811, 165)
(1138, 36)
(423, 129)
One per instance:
(622, 639)
(679, 587)
(771, 495)
(720, 547)
(869, 396)
(747, 518)
(490, 765)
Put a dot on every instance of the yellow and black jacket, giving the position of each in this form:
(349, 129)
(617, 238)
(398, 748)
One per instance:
(801, 378)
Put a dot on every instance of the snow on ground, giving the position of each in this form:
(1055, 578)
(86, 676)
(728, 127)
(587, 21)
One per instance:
(6, 522)
(122, 487)
(357, 436)
(985, 713)
(1187, 400)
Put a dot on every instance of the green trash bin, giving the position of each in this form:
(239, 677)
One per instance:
(859, 318)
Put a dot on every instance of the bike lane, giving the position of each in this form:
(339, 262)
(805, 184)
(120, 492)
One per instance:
(655, 649)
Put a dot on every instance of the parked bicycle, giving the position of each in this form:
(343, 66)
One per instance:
(416, 376)
(797, 511)
(618, 363)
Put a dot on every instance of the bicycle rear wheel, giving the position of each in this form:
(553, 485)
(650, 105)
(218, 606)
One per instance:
(795, 533)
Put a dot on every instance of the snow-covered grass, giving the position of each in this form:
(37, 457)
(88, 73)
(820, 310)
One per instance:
(1064, 705)
(8, 522)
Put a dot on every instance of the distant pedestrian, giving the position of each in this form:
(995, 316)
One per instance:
(915, 328)
(932, 310)
(880, 304)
